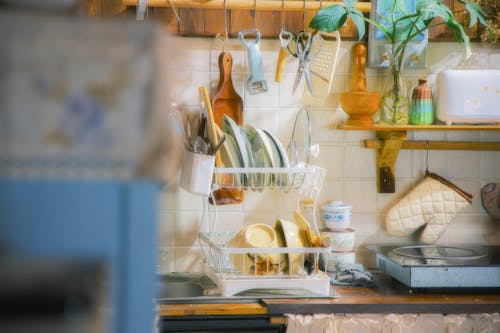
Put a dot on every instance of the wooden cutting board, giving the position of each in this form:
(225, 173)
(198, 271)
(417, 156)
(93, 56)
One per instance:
(226, 101)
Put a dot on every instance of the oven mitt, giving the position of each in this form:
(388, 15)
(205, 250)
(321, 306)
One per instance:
(434, 201)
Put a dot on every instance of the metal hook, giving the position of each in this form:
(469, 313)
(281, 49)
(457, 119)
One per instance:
(282, 16)
(175, 12)
(255, 13)
(426, 156)
(226, 34)
(304, 16)
(141, 9)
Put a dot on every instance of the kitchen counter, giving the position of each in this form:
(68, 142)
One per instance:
(389, 296)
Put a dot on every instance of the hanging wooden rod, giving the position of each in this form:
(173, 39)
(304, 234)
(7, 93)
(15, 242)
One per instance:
(439, 145)
(288, 5)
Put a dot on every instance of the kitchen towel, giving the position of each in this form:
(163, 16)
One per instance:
(434, 201)
(352, 275)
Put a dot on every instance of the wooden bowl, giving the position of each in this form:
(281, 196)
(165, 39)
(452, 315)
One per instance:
(360, 106)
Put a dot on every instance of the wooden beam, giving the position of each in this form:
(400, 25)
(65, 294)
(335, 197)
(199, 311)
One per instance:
(438, 145)
(288, 5)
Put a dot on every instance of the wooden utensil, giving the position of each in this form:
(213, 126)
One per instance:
(212, 130)
(358, 78)
(359, 103)
(226, 101)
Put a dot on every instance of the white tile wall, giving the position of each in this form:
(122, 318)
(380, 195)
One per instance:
(351, 167)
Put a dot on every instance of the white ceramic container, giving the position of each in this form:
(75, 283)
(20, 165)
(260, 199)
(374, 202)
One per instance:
(337, 215)
(334, 258)
(340, 240)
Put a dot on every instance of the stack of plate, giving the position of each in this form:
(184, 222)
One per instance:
(251, 147)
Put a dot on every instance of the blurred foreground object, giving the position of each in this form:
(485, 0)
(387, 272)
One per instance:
(86, 140)
(84, 100)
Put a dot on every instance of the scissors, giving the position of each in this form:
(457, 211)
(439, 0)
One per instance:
(303, 49)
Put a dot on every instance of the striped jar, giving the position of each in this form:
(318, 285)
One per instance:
(421, 108)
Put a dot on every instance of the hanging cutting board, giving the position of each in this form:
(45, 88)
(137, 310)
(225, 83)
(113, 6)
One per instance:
(226, 101)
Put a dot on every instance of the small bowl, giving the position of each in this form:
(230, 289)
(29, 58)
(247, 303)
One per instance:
(360, 106)
(339, 240)
(337, 215)
(253, 236)
(330, 261)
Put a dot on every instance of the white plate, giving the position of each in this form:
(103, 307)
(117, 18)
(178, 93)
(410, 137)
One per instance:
(231, 128)
(280, 154)
(261, 152)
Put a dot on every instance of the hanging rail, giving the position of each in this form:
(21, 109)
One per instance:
(288, 5)
(438, 145)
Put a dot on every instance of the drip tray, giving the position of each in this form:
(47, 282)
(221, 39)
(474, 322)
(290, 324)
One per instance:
(429, 266)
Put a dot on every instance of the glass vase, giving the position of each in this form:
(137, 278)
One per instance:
(394, 106)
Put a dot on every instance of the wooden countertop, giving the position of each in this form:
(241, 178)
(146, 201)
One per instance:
(389, 296)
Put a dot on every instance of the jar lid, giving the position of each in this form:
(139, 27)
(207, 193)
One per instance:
(337, 206)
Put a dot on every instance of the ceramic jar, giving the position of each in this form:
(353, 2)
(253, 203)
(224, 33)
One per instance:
(330, 261)
(337, 215)
(339, 240)
(421, 108)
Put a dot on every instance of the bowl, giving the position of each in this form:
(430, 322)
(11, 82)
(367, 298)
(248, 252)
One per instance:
(251, 237)
(291, 237)
(337, 215)
(360, 106)
(339, 240)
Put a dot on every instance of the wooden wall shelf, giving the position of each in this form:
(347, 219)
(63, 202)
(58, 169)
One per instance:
(393, 138)
(286, 5)
(376, 127)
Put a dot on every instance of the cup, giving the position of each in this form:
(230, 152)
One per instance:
(329, 261)
(196, 173)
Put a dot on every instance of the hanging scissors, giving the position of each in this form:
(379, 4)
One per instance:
(303, 47)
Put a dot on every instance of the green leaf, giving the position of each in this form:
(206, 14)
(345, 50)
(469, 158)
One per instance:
(358, 19)
(476, 13)
(349, 4)
(430, 9)
(460, 35)
(329, 19)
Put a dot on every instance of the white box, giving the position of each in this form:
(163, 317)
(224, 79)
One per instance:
(468, 96)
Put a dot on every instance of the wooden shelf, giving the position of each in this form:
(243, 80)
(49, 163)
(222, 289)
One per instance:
(393, 138)
(376, 127)
(286, 5)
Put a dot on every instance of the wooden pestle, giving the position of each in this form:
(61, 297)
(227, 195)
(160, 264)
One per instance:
(358, 78)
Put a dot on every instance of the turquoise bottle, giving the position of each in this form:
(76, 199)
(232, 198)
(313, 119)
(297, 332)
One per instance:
(421, 108)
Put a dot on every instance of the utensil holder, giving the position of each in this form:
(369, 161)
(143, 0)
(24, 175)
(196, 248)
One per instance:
(196, 173)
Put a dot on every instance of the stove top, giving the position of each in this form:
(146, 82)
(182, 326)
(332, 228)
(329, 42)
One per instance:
(431, 266)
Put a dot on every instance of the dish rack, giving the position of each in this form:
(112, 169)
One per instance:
(300, 273)
(218, 266)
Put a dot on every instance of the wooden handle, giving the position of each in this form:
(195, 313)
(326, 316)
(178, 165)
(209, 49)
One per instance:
(225, 66)
(212, 131)
(280, 66)
(358, 79)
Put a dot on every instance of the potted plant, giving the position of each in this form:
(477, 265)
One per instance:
(403, 27)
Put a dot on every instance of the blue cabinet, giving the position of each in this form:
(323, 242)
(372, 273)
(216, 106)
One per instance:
(110, 221)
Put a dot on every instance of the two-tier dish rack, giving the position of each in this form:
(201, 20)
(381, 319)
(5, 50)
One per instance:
(300, 274)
